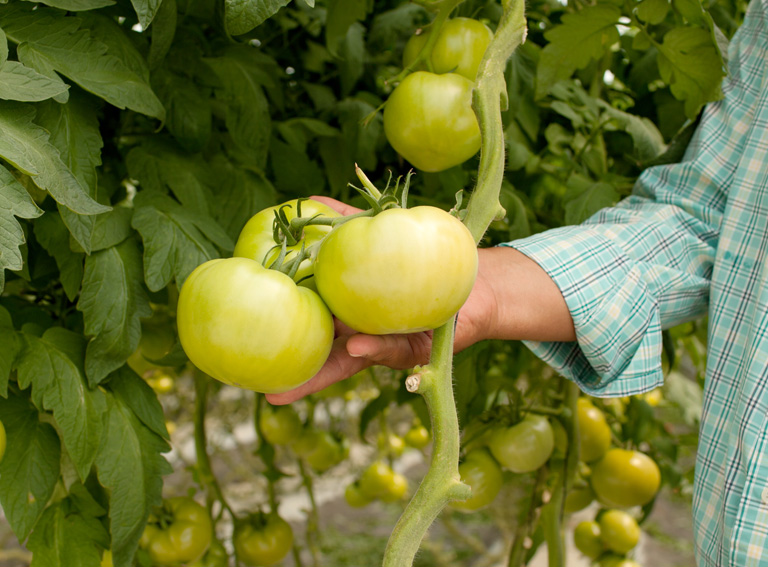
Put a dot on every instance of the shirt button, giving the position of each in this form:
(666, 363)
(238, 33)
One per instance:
(764, 496)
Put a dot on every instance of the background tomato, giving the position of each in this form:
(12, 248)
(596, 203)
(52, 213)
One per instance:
(280, 425)
(459, 47)
(251, 327)
(623, 478)
(483, 475)
(429, 120)
(578, 499)
(256, 240)
(619, 531)
(525, 446)
(402, 271)
(586, 538)
(263, 544)
(594, 432)
(378, 480)
(355, 497)
(180, 532)
(417, 437)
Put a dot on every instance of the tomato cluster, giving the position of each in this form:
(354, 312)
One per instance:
(377, 482)
(609, 537)
(428, 118)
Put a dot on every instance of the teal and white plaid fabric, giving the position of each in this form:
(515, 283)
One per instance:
(692, 240)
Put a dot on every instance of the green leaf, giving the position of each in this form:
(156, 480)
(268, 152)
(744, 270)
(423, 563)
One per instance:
(19, 82)
(3, 47)
(146, 10)
(241, 16)
(648, 141)
(59, 386)
(582, 37)
(14, 202)
(112, 301)
(28, 148)
(247, 110)
(239, 195)
(162, 32)
(111, 228)
(77, 5)
(189, 109)
(341, 15)
(140, 397)
(585, 197)
(30, 469)
(174, 239)
(53, 236)
(9, 348)
(130, 466)
(653, 11)
(295, 173)
(352, 53)
(67, 537)
(690, 63)
(49, 39)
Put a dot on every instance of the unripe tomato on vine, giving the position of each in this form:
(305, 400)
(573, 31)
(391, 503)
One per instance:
(252, 327)
(586, 538)
(177, 533)
(525, 446)
(279, 425)
(594, 432)
(263, 541)
(459, 47)
(618, 530)
(483, 474)
(624, 478)
(378, 274)
(417, 436)
(429, 120)
(379, 481)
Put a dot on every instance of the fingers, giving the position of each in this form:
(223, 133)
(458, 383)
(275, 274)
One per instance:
(394, 351)
(341, 208)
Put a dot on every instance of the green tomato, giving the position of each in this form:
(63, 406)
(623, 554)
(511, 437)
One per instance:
(417, 437)
(402, 271)
(429, 120)
(391, 444)
(251, 327)
(2, 441)
(483, 475)
(216, 556)
(256, 240)
(396, 490)
(623, 478)
(459, 47)
(619, 531)
(279, 425)
(267, 544)
(578, 499)
(326, 451)
(180, 532)
(594, 432)
(355, 496)
(525, 446)
(376, 480)
(586, 538)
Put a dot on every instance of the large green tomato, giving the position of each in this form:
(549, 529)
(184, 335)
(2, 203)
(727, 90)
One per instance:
(402, 271)
(252, 327)
(622, 478)
(525, 446)
(267, 544)
(179, 533)
(256, 240)
(459, 47)
(594, 432)
(2, 441)
(483, 475)
(429, 120)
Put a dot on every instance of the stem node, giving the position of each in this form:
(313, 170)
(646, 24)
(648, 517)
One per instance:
(412, 383)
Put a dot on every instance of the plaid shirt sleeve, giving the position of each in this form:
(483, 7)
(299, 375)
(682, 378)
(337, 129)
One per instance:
(637, 268)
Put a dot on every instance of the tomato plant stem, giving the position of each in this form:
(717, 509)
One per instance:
(442, 482)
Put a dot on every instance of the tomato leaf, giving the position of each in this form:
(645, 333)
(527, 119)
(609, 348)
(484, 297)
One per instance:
(19, 82)
(67, 537)
(648, 141)
(112, 301)
(50, 40)
(585, 197)
(341, 15)
(50, 364)
(241, 16)
(375, 407)
(78, 5)
(690, 62)
(174, 238)
(162, 32)
(27, 147)
(14, 202)
(582, 37)
(130, 465)
(30, 469)
(9, 348)
(140, 397)
(52, 235)
(189, 109)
